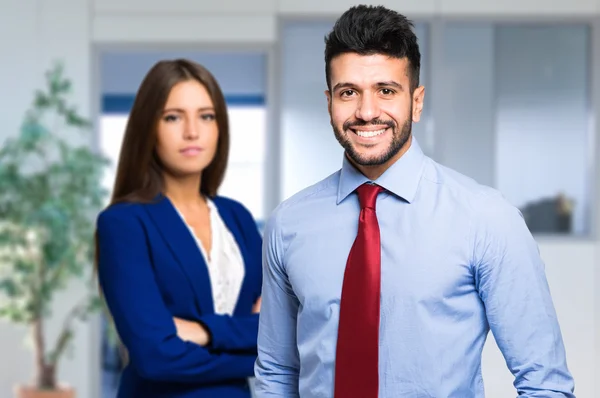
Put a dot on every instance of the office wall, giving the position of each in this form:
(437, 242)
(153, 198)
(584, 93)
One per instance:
(319, 8)
(32, 32)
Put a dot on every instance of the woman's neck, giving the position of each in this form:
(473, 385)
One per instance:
(183, 192)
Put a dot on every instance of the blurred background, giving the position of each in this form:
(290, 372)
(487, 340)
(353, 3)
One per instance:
(512, 100)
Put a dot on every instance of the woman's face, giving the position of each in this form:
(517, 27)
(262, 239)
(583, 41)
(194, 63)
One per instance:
(187, 132)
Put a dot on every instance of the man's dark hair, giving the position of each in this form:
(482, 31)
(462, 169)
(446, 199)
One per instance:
(370, 30)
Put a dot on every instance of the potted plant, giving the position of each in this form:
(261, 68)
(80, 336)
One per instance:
(50, 195)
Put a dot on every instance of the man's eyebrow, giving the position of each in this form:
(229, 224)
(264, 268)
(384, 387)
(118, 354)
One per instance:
(343, 85)
(389, 83)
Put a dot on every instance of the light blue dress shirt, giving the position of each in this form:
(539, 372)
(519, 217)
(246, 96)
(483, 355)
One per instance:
(457, 260)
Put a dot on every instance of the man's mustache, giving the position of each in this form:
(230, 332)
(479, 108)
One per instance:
(375, 122)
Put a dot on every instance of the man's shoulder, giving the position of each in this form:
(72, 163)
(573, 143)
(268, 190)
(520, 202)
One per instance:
(487, 207)
(479, 197)
(302, 201)
(326, 187)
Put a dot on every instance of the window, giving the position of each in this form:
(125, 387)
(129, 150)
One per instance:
(244, 179)
(543, 124)
(513, 112)
(112, 128)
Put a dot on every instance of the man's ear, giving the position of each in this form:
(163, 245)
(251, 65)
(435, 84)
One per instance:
(328, 96)
(417, 103)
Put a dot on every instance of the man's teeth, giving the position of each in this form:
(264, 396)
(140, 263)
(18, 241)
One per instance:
(369, 133)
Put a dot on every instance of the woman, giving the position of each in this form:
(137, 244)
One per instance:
(179, 266)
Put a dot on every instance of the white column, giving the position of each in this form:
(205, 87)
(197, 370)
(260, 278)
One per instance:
(596, 191)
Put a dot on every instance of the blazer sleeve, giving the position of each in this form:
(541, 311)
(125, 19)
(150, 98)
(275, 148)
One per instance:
(142, 320)
(240, 332)
(232, 333)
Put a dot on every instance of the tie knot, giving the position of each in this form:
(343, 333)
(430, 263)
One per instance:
(367, 195)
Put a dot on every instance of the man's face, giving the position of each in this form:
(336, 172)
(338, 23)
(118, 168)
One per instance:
(372, 109)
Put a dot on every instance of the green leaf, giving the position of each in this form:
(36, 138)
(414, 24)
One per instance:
(10, 288)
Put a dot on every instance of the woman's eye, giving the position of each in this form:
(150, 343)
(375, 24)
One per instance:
(208, 116)
(170, 118)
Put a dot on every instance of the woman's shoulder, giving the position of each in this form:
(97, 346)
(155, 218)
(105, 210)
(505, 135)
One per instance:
(239, 210)
(122, 211)
(231, 205)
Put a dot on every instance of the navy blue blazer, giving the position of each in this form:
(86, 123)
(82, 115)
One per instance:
(151, 270)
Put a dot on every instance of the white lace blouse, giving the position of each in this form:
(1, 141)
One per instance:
(226, 265)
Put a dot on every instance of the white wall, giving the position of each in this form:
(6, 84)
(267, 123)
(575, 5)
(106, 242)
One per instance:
(518, 7)
(318, 7)
(595, 147)
(32, 32)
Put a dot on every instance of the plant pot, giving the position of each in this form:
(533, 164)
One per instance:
(32, 392)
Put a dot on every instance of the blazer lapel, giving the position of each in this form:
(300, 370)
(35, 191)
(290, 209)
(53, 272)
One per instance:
(185, 250)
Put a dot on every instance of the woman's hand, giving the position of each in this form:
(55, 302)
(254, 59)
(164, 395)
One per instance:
(192, 331)
(256, 306)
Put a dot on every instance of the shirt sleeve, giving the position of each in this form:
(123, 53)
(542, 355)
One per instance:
(512, 284)
(277, 367)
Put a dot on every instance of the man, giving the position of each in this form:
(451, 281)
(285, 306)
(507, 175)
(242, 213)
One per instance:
(384, 279)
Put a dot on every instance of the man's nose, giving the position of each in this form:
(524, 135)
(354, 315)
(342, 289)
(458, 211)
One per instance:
(368, 108)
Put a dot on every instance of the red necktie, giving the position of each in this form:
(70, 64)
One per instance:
(357, 355)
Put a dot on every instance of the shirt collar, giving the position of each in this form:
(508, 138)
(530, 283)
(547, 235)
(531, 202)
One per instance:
(401, 178)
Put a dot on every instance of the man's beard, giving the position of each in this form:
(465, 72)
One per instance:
(399, 139)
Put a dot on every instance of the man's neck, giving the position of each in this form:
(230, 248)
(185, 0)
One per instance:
(376, 171)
